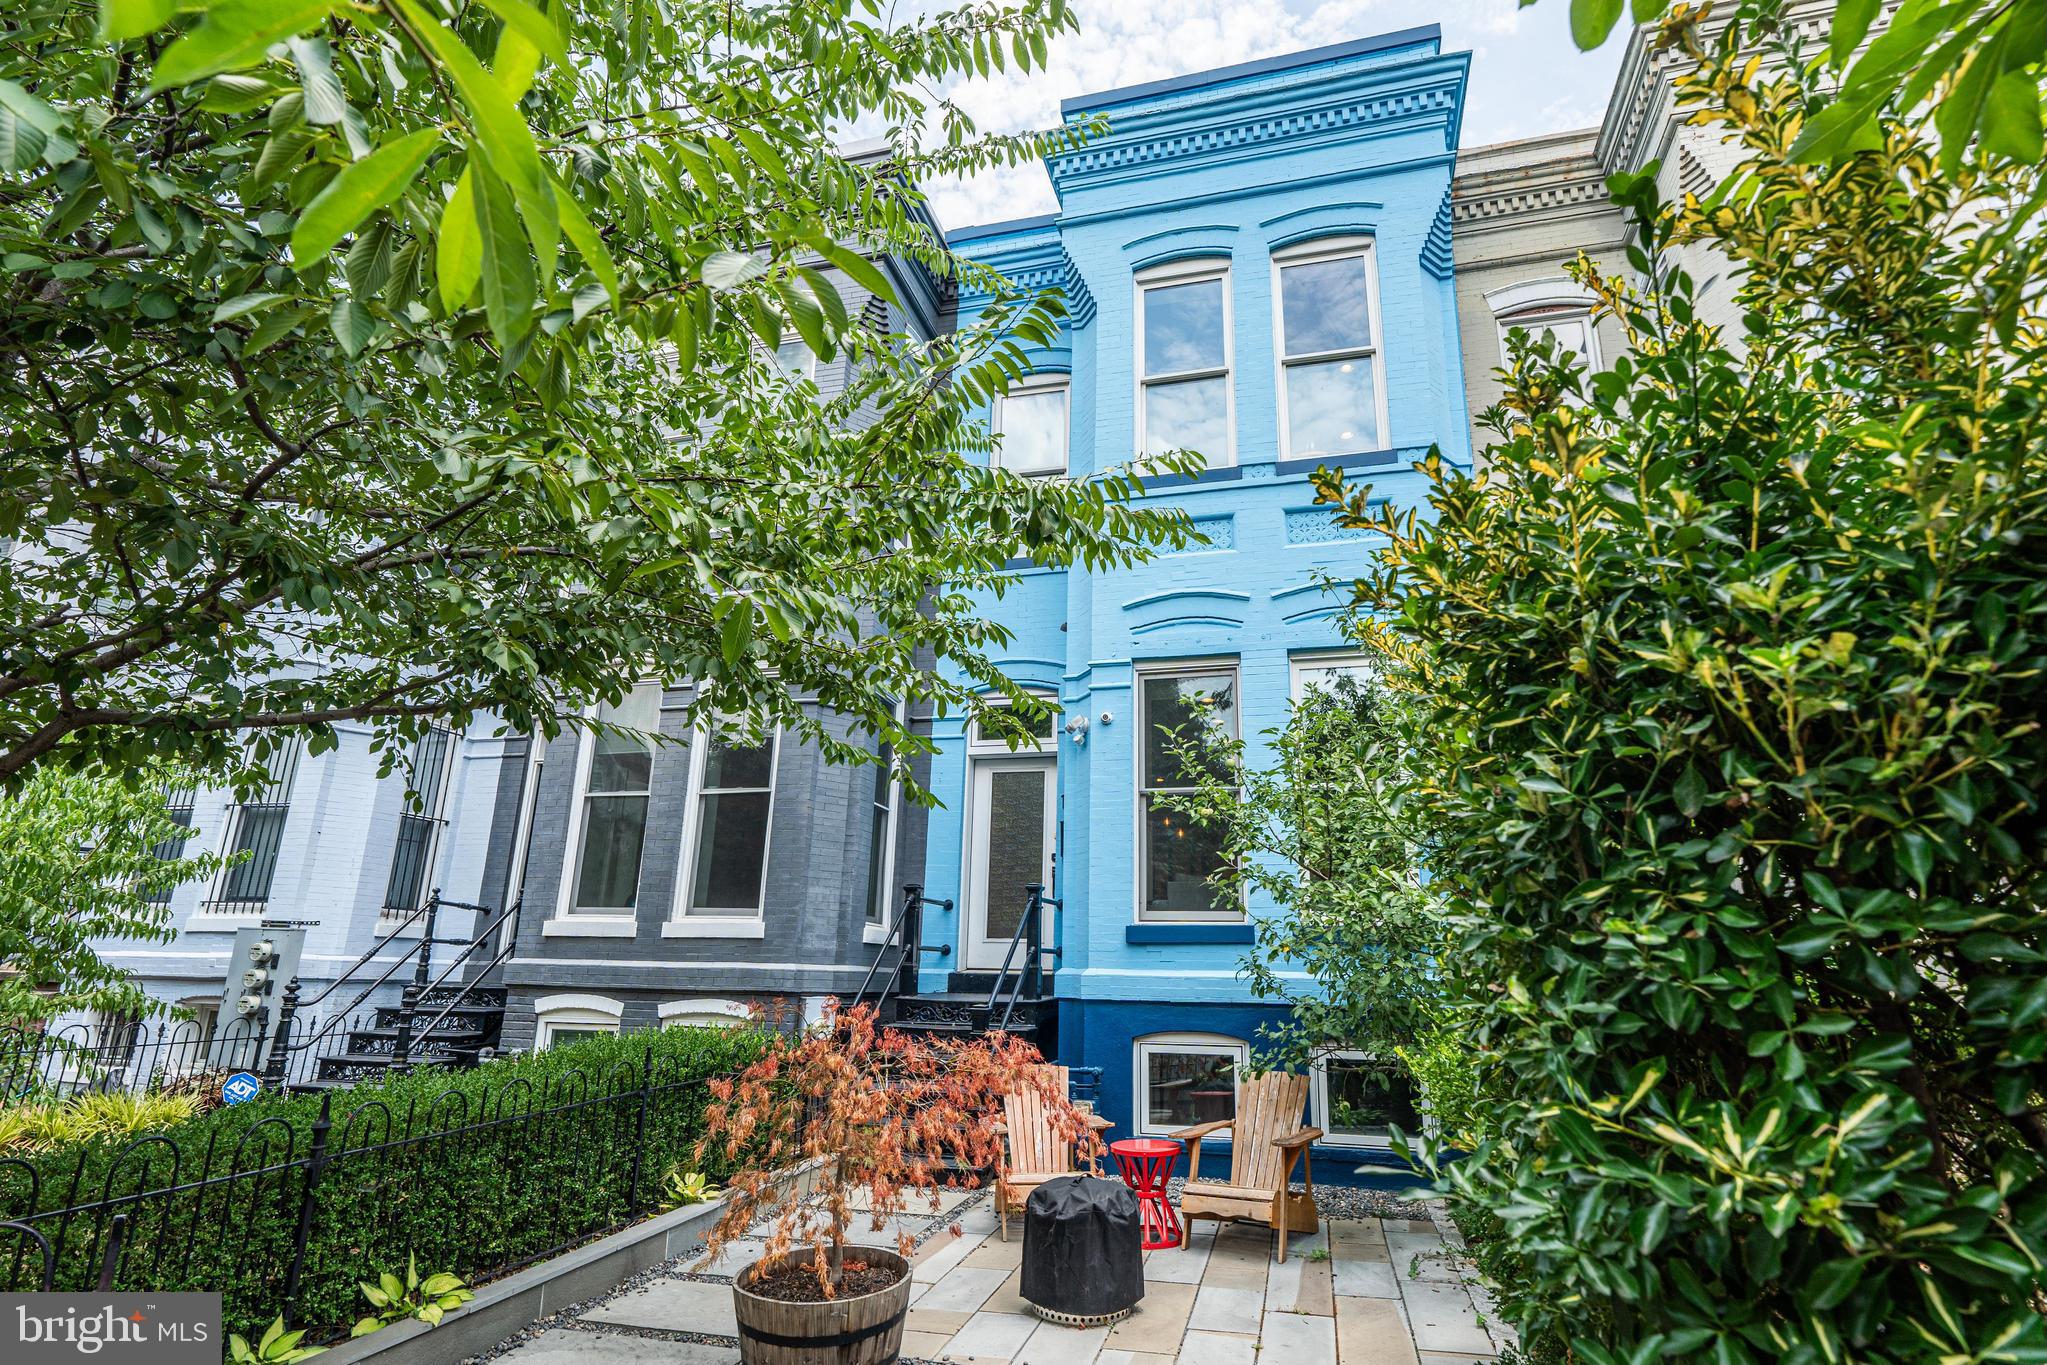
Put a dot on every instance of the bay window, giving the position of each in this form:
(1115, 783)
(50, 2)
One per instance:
(1032, 420)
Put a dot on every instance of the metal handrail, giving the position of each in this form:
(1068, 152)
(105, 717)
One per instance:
(1033, 969)
(431, 902)
(510, 912)
(914, 901)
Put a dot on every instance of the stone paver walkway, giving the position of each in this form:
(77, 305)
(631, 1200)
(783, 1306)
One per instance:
(1360, 1292)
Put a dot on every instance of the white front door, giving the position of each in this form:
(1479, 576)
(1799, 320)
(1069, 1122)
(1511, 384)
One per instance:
(1014, 820)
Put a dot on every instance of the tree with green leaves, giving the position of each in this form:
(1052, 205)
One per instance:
(392, 359)
(1734, 763)
(1323, 835)
(1975, 65)
(84, 858)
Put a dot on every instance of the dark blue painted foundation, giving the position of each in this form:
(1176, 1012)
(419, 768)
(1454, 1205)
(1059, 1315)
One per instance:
(1103, 1034)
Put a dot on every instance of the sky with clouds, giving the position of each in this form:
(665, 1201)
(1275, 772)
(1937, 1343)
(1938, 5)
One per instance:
(1526, 76)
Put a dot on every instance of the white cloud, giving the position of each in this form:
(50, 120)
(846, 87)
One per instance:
(1527, 80)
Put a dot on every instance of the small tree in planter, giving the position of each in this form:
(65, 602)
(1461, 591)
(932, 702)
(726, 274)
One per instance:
(856, 1107)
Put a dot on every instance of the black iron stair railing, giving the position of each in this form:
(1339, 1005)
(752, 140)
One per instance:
(419, 952)
(906, 935)
(1030, 976)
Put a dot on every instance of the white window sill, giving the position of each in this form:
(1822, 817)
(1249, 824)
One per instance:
(707, 926)
(873, 933)
(398, 928)
(222, 924)
(590, 926)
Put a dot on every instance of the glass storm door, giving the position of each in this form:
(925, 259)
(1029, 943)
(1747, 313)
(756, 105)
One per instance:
(1014, 818)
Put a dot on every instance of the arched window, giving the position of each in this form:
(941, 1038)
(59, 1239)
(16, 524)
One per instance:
(1556, 306)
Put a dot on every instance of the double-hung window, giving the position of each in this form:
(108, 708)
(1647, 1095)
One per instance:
(428, 775)
(881, 839)
(732, 797)
(796, 359)
(1177, 855)
(1330, 395)
(612, 819)
(1032, 420)
(1183, 360)
(255, 833)
(179, 800)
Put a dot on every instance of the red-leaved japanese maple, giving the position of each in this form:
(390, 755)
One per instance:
(854, 1106)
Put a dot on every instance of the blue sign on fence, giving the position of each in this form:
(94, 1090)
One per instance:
(240, 1086)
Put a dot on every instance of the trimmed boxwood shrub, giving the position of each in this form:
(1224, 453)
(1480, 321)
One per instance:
(475, 1171)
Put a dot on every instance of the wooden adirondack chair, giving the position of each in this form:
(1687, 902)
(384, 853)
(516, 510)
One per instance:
(1266, 1141)
(1034, 1151)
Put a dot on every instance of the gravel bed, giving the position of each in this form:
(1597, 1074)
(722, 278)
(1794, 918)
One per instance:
(1332, 1202)
(676, 1268)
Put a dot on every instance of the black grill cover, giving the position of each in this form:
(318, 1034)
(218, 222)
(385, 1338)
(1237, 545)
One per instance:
(1080, 1247)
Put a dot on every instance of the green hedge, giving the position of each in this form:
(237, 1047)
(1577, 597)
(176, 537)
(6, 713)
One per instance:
(473, 1171)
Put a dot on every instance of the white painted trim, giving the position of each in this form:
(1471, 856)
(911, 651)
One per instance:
(669, 964)
(1330, 249)
(716, 1011)
(1200, 1044)
(1191, 271)
(878, 927)
(710, 926)
(1309, 661)
(579, 819)
(692, 818)
(590, 926)
(1140, 732)
(873, 933)
(1062, 384)
(221, 924)
(995, 748)
(593, 1004)
(979, 951)
(1554, 291)
(1318, 1100)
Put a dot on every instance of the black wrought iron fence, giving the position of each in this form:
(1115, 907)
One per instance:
(144, 1056)
(285, 1208)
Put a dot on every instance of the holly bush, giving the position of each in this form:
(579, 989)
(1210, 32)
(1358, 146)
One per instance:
(1736, 762)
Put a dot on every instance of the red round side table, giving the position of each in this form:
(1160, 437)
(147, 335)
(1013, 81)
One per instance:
(1147, 1164)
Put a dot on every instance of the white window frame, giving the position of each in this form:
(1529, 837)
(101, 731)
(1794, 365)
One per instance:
(809, 362)
(1201, 1044)
(1143, 730)
(1061, 384)
(704, 1012)
(1188, 272)
(1543, 302)
(683, 922)
(1299, 666)
(979, 744)
(569, 922)
(597, 1013)
(1309, 253)
(1318, 1099)
(875, 929)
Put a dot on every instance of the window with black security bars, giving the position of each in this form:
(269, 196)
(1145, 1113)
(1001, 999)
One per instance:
(178, 803)
(427, 779)
(255, 833)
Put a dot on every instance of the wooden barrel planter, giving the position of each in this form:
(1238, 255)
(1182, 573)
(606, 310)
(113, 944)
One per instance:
(864, 1330)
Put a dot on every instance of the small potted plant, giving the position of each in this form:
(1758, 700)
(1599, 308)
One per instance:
(838, 1109)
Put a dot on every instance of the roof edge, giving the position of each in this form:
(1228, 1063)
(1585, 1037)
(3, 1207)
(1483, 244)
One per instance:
(1285, 61)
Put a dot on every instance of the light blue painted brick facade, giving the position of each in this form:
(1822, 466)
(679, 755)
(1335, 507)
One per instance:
(1354, 141)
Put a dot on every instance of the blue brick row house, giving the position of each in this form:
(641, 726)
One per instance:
(1258, 266)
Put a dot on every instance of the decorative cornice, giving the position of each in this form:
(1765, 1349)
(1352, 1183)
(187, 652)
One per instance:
(1436, 258)
(1131, 150)
(1036, 264)
(1472, 205)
